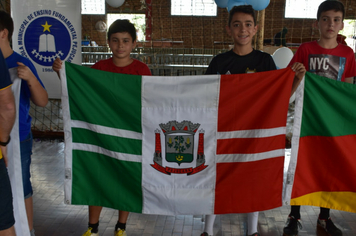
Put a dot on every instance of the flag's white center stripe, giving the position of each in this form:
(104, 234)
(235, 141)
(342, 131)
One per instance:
(106, 152)
(106, 130)
(253, 133)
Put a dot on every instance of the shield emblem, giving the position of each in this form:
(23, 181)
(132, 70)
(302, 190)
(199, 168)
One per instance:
(179, 147)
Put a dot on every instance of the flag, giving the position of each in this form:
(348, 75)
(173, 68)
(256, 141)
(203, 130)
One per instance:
(175, 145)
(323, 165)
(14, 164)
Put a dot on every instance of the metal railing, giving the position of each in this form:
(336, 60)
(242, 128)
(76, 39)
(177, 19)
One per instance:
(161, 61)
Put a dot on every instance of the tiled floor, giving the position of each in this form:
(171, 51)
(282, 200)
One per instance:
(53, 218)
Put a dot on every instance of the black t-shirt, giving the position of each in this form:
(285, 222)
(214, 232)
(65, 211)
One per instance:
(231, 63)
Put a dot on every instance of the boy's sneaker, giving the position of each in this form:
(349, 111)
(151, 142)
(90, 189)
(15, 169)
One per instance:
(120, 232)
(292, 225)
(89, 233)
(255, 234)
(328, 227)
(205, 234)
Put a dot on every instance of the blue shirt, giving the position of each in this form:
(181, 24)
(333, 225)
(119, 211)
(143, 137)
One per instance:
(25, 94)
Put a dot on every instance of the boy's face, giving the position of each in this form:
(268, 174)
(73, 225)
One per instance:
(242, 29)
(329, 24)
(3, 38)
(121, 45)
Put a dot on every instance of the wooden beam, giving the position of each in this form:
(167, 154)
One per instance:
(260, 31)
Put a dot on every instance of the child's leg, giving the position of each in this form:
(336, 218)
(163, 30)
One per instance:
(26, 152)
(121, 222)
(209, 224)
(324, 213)
(123, 215)
(295, 212)
(252, 220)
(94, 215)
(29, 211)
(293, 223)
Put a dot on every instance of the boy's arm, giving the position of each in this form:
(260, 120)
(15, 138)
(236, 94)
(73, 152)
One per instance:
(299, 70)
(7, 117)
(349, 80)
(350, 67)
(39, 95)
(7, 113)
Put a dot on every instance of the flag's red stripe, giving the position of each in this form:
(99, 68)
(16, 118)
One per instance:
(254, 101)
(325, 164)
(249, 186)
(250, 145)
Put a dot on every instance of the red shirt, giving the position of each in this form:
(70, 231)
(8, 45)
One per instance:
(135, 68)
(337, 63)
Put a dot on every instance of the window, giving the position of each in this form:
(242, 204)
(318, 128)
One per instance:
(350, 32)
(93, 7)
(139, 20)
(302, 8)
(193, 8)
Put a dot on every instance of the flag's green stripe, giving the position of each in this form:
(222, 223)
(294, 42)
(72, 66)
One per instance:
(112, 143)
(109, 99)
(99, 180)
(328, 107)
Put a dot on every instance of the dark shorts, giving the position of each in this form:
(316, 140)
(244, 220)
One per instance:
(6, 210)
(26, 152)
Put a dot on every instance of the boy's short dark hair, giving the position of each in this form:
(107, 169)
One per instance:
(247, 9)
(121, 26)
(6, 22)
(330, 5)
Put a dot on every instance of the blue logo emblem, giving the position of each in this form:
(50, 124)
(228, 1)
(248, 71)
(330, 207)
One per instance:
(46, 35)
(46, 38)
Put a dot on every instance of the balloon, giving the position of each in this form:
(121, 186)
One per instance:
(282, 57)
(232, 3)
(221, 3)
(115, 3)
(100, 26)
(258, 5)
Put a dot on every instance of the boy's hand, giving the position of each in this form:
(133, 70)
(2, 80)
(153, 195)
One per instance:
(39, 95)
(23, 72)
(57, 65)
(299, 70)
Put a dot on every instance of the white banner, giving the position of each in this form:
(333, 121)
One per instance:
(14, 165)
(45, 30)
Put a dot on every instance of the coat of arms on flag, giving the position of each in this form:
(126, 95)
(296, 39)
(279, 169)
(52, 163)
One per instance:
(179, 147)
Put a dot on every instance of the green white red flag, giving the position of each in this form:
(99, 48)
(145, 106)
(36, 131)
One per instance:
(175, 145)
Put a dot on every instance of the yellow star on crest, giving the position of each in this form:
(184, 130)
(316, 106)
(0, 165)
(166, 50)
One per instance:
(46, 27)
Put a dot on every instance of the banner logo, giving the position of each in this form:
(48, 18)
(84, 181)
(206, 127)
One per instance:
(45, 35)
(179, 145)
